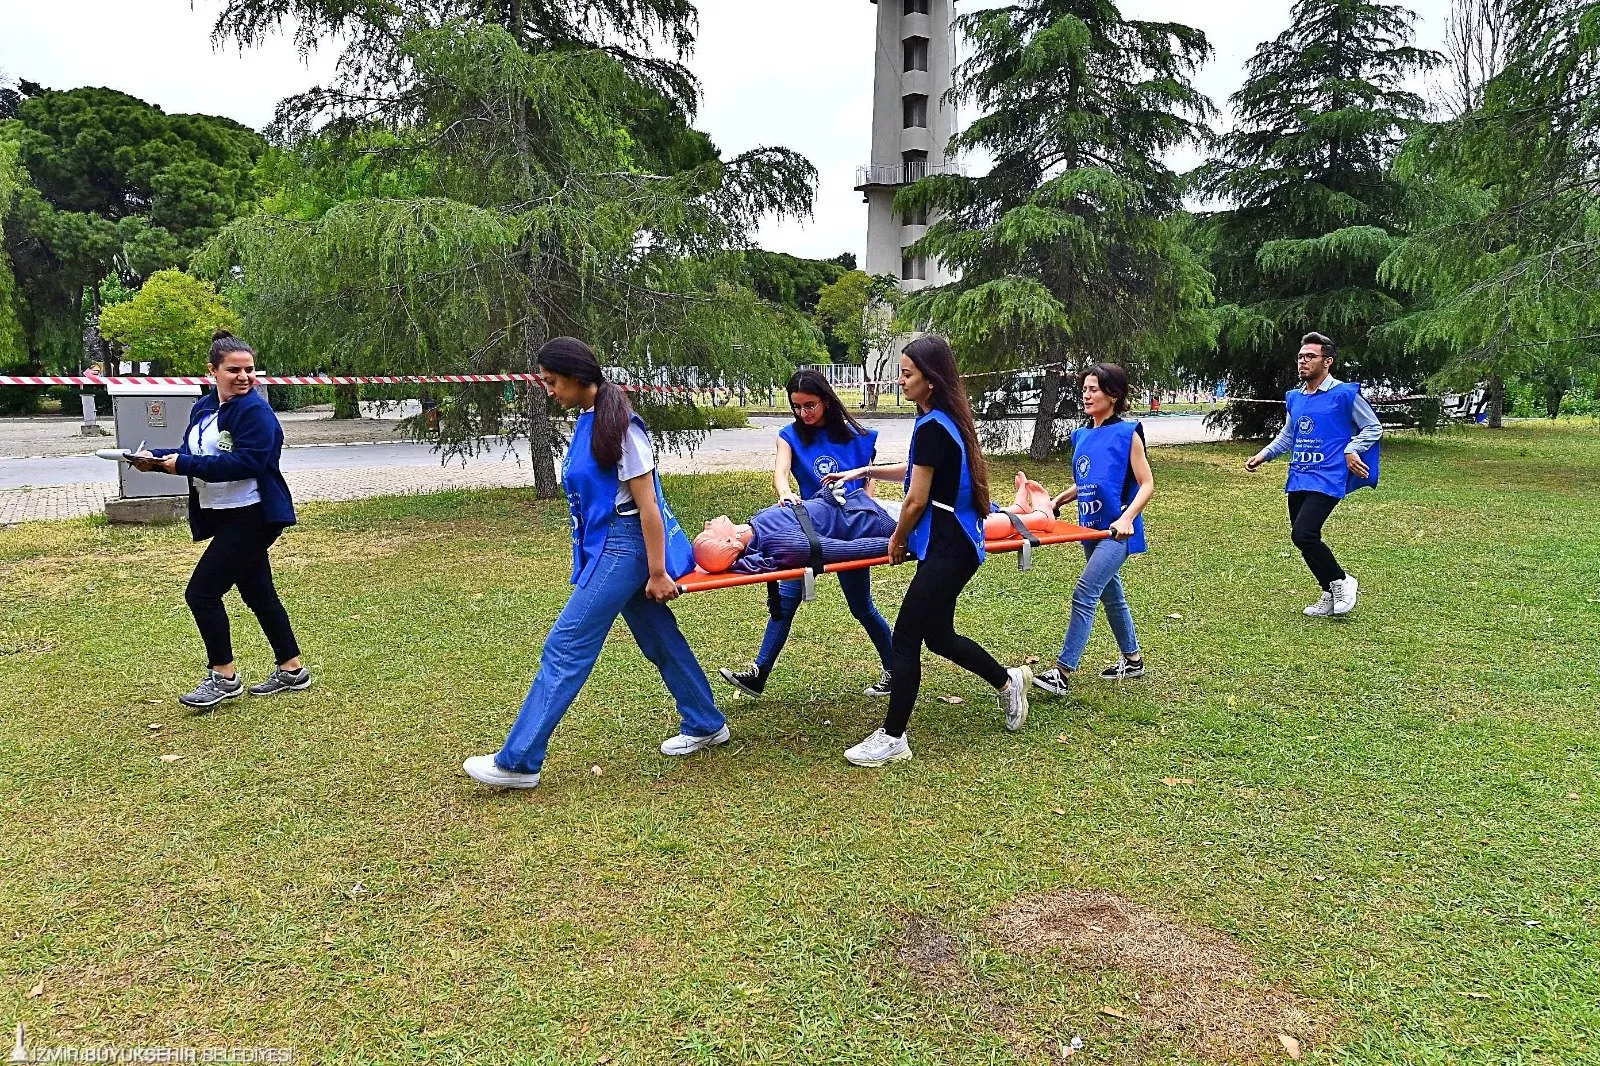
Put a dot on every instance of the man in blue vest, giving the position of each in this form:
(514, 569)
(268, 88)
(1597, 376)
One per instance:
(1331, 435)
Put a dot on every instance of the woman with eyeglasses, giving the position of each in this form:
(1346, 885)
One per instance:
(239, 501)
(823, 439)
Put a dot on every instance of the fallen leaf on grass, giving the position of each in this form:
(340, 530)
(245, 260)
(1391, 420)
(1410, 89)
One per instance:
(1177, 780)
(1175, 617)
(1291, 1046)
(1062, 738)
(36, 991)
(596, 771)
(1112, 1012)
(1572, 795)
(1032, 660)
(155, 727)
(951, 699)
(1058, 811)
(169, 757)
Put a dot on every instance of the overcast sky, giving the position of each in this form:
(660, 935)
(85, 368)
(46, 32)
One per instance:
(768, 77)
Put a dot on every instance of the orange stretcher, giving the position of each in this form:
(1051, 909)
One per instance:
(1059, 533)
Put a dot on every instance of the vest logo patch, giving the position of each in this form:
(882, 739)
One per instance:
(825, 465)
(1083, 466)
(1305, 425)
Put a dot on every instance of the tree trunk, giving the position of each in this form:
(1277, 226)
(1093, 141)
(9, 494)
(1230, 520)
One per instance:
(1044, 423)
(347, 401)
(541, 444)
(1497, 401)
(1553, 395)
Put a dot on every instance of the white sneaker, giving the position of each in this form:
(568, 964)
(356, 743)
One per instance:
(879, 749)
(1344, 594)
(1323, 607)
(1014, 697)
(482, 769)
(684, 744)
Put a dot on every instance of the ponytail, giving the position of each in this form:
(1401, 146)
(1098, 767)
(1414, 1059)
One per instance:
(612, 411)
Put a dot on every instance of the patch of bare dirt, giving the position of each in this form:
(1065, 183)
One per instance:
(1197, 989)
(929, 953)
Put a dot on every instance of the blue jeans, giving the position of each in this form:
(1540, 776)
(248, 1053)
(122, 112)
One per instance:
(783, 599)
(1100, 583)
(573, 646)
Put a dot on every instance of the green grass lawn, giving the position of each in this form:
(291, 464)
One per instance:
(1375, 835)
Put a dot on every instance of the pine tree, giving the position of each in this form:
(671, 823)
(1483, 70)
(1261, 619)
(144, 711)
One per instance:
(502, 173)
(1064, 250)
(1313, 208)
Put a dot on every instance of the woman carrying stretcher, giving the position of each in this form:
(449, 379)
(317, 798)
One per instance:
(628, 552)
(941, 524)
(822, 440)
(1112, 484)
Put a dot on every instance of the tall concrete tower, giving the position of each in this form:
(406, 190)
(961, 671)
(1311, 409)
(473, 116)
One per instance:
(911, 124)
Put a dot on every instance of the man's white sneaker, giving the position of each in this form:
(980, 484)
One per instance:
(879, 749)
(1014, 697)
(1344, 594)
(1322, 608)
(684, 744)
(482, 769)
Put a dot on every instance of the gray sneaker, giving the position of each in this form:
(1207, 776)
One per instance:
(212, 691)
(281, 680)
(1014, 697)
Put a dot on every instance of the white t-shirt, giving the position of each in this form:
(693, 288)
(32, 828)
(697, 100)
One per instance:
(638, 457)
(206, 439)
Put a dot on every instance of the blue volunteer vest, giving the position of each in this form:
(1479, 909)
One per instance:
(1105, 483)
(965, 510)
(826, 456)
(1323, 424)
(592, 501)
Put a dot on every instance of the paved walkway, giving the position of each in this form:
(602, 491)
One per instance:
(73, 485)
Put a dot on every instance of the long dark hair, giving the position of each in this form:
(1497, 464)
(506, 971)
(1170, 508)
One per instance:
(835, 419)
(224, 344)
(932, 355)
(1113, 381)
(612, 411)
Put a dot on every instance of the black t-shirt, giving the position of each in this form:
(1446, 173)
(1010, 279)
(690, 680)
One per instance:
(935, 447)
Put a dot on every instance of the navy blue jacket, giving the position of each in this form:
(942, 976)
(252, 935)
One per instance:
(257, 446)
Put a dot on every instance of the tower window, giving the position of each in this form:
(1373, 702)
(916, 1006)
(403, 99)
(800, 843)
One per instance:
(914, 108)
(915, 7)
(917, 216)
(915, 165)
(915, 51)
(913, 268)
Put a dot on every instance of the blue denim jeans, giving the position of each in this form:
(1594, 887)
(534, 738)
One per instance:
(573, 646)
(783, 599)
(1099, 583)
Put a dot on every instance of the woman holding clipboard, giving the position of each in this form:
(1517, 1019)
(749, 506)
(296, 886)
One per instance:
(239, 501)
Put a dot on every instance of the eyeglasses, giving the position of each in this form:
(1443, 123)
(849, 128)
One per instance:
(807, 408)
(1310, 357)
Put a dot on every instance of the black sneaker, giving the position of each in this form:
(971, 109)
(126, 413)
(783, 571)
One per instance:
(881, 687)
(1123, 669)
(281, 680)
(1053, 680)
(752, 681)
(212, 691)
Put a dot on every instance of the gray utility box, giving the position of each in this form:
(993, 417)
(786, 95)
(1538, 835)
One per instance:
(155, 416)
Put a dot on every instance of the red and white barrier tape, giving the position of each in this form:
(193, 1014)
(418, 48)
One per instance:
(320, 379)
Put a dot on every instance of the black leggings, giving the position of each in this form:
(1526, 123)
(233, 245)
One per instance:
(928, 616)
(1307, 512)
(237, 555)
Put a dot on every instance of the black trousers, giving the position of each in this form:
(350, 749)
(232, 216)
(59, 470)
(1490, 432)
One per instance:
(1307, 512)
(928, 616)
(237, 556)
